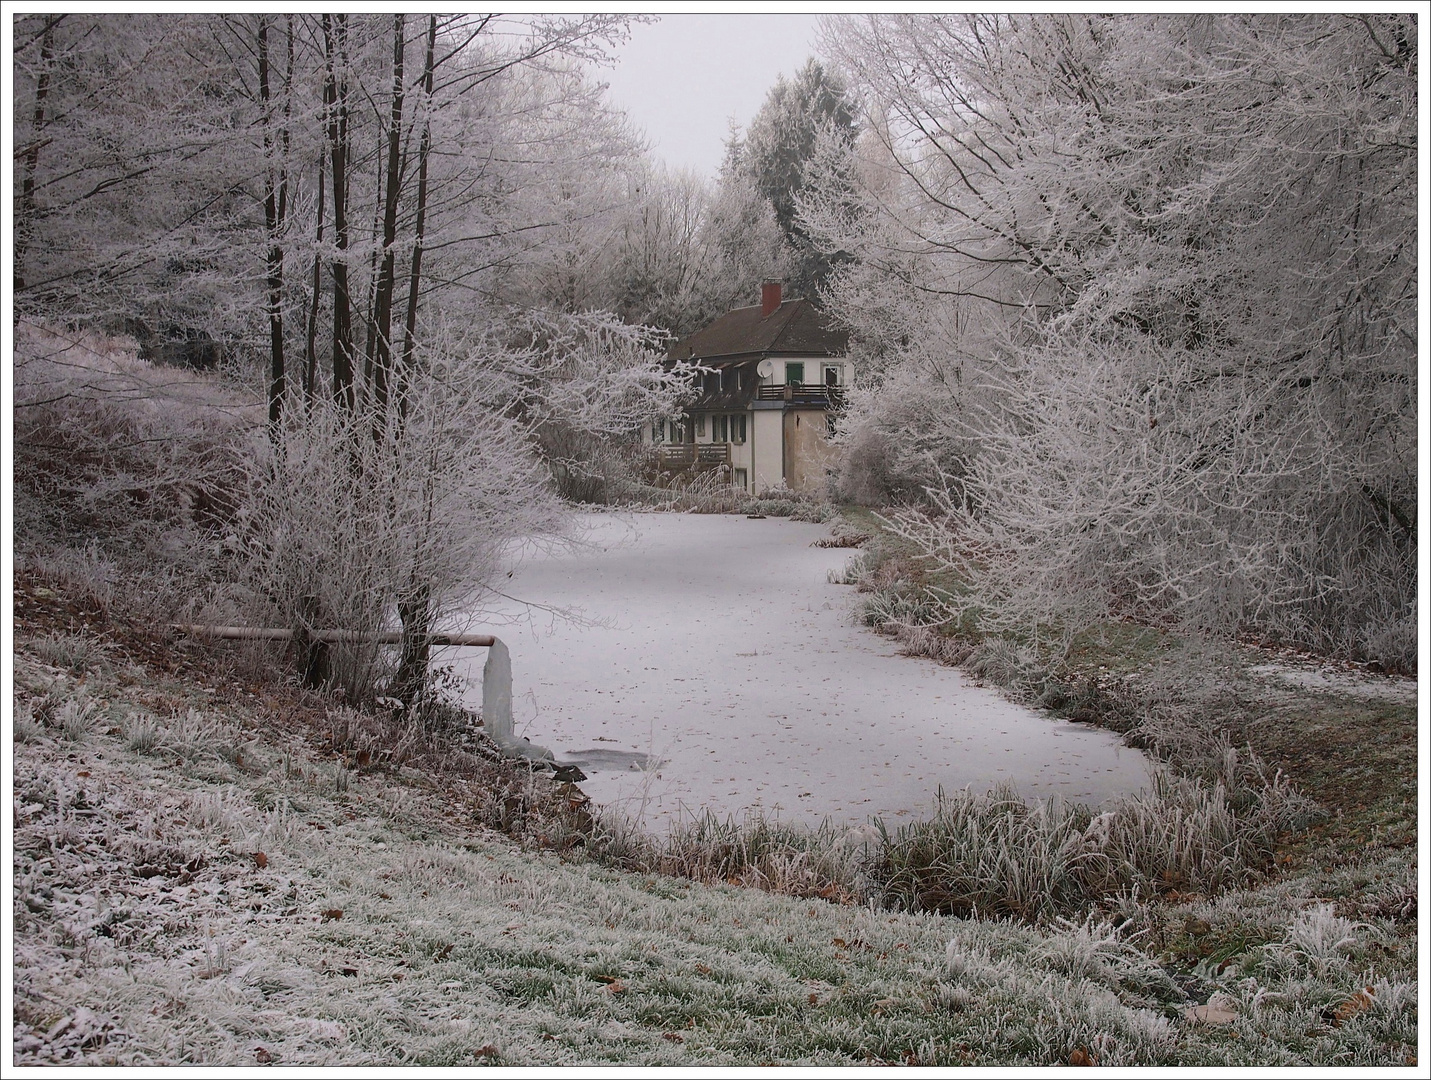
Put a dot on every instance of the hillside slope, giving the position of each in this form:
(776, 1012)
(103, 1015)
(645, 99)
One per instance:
(199, 879)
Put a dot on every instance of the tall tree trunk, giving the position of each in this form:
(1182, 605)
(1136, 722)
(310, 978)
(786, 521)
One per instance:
(275, 209)
(335, 96)
(411, 682)
(409, 344)
(383, 305)
(30, 161)
(310, 345)
(415, 610)
(370, 337)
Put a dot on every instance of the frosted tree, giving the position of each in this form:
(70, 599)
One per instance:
(131, 172)
(380, 197)
(775, 155)
(663, 267)
(1177, 258)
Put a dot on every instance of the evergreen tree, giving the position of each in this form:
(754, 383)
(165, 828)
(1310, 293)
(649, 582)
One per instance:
(777, 152)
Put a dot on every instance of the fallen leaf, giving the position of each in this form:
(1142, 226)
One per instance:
(1357, 1003)
(488, 1051)
(260, 860)
(616, 986)
(814, 999)
(332, 914)
(83, 772)
(262, 1056)
(671, 1036)
(1081, 1056)
(1214, 1012)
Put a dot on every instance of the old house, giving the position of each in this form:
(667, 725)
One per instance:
(766, 408)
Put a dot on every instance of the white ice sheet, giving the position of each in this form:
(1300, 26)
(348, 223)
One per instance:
(715, 650)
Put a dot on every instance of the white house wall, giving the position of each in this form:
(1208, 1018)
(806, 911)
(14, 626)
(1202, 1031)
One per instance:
(768, 448)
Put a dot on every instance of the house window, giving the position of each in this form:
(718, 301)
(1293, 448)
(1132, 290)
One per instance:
(658, 432)
(832, 375)
(701, 424)
(720, 429)
(728, 379)
(794, 374)
(737, 428)
(740, 480)
(678, 431)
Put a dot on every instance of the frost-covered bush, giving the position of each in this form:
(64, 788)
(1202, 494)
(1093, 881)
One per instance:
(360, 523)
(1122, 482)
(894, 440)
(85, 573)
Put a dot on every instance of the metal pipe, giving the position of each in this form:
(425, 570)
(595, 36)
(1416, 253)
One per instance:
(330, 637)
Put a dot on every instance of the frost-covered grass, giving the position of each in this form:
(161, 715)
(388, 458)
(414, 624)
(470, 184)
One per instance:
(1000, 856)
(190, 888)
(711, 493)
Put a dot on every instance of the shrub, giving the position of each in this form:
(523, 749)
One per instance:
(355, 525)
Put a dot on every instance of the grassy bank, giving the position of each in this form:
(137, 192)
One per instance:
(1345, 735)
(215, 869)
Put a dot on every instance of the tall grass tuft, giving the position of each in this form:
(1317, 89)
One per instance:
(76, 653)
(778, 857)
(998, 856)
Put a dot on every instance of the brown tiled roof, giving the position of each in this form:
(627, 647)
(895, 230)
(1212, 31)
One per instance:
(795, 328)
(725, 399)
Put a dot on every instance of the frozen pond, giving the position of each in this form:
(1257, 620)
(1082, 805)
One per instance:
(716, 667)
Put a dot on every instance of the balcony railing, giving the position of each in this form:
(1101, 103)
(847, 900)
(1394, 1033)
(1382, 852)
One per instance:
(829, 397)
(692, 455)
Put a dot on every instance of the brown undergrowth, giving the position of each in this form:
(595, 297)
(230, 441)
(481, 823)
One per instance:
(171, 674)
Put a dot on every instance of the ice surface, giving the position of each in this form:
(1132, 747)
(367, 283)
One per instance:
(715, 666)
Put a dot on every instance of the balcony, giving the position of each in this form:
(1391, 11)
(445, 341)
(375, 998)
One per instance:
(813, 394)
(679, 456)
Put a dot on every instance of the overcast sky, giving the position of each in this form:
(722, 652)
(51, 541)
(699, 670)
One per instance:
(683, 79)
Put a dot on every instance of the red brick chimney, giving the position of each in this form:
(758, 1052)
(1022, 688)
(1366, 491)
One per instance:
(769, 298)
